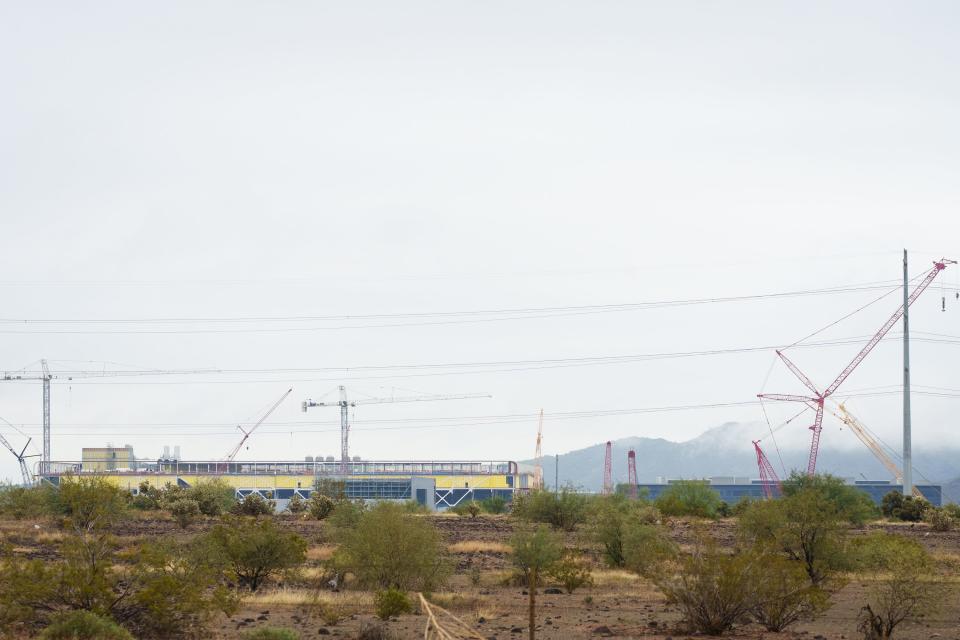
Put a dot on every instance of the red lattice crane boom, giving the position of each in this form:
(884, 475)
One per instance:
(817, 399)
(768, 477)
(608, 470)
(632, 472)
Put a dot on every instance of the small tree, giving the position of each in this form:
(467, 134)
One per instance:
(571, 572)
(784, 593)
(902, 588)
(255, 550)
(84, 625)
(296, 505)
(611, 519)
(391, 602)
(386, 547)
(320, 506)
(494, 505)
(896, 506)
(215, 497)
(712, 590)
(689, 498)
(535, 554)
(647, 551)
(562, 510)
(88, 502)
(850, 503)
(184, 511)
(253, 504)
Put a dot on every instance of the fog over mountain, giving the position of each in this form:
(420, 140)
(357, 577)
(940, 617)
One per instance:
(726, 450)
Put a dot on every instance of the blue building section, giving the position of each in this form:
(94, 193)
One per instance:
(733, 493)
(421, 490)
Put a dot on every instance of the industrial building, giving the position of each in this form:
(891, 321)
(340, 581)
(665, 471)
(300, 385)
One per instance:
(436, 484)
(732, 490)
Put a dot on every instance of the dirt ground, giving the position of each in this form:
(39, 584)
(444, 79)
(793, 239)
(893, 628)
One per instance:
(619, 605)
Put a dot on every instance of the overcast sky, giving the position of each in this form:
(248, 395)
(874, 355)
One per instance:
(229, 160)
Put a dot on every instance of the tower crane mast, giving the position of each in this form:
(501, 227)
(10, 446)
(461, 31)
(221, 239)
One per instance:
(817, 399)
(345, 404)
(538, 456)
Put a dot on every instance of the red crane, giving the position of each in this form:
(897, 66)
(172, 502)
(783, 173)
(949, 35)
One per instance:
(608, 470)
(816, 401)
(632, 472)
(768, 477)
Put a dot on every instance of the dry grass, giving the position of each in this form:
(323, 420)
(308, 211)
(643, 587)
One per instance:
(346, 599)
(455, 600)
(479, 546)
(321, 552)
(615, 578)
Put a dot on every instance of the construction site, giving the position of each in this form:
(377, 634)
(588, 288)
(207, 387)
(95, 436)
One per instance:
(442, 484)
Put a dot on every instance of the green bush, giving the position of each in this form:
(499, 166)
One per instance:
(84, 625)
(494, 505)
(255, 550)
(148, 498)
(320, 506)
(902, 585)
(336, 490)
(571, 572)
(215, 497)
(184, 511)
(784, 593)
(296, 505)
(385, 547)
(253, 505)
(646, 550)
(271, 633)
(939, 519)
(88, 502)
(906, 508)
(414, 507)
(689, 498)
(850, 503)
(561, 510)
(952, 509)
(611, 517)
(467, 508)
(21, 503)
(391, 602)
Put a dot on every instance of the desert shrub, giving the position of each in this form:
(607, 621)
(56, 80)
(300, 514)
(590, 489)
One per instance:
(571, 572)
(611, 517)
(807, 525)
(389, 548)
(320, 506)
(784, 593)
(253, 505)
(271, 633)
(896, 506)
(148, 498)
(255, 550)
(391, 602)
(901, 585)
(535, 554)
(21, 503)
(414, 507)
(347, 514)
(561, 510)
(296, 505)
(374, 632)
(712, 590)
(467, 508)
(741, 506)
(939, 519)
(848, 502)
(184, 511)
(83, 625)
(215, 497)
(952, 509)
(167, 591)
(689, 498)
(647, 550)
(494, 505)
(88, 502)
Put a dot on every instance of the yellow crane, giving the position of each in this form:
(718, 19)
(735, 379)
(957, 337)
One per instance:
(871, 443)
(538, 456)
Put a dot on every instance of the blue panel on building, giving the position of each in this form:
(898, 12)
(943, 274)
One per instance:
(733, 493)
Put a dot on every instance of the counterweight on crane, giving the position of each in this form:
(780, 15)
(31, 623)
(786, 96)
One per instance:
(816, 400)
(344, 404)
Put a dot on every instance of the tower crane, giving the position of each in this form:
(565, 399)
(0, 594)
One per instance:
(817, 399)
(867, 438)
(246, 434)
(45, 377)
(538, 456)
(344, 404)
(21, 456)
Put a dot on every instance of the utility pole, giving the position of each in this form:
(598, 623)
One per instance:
(556, 472)
(907, 445)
